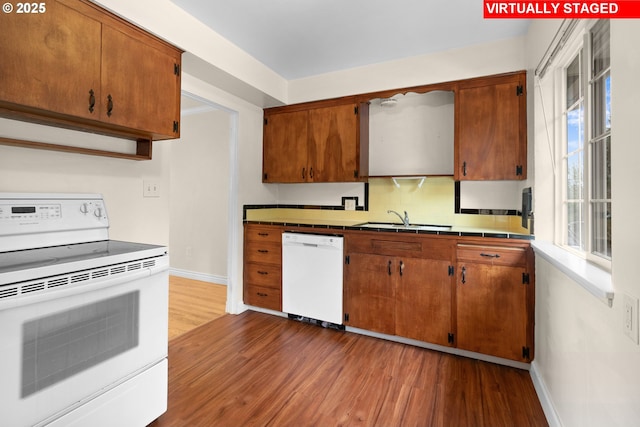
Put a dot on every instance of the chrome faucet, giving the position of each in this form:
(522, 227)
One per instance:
(404, 220)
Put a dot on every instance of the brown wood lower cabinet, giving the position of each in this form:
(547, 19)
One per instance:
(475, 294)
(423, 301)
(494, 292)
(263, 266)
(369, 290)
(450, 291)
(400, 285)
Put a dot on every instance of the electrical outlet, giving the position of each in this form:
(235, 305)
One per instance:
(150, 189)
(349, 205)
(630, 317)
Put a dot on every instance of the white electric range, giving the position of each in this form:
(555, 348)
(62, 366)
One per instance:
(83, 319)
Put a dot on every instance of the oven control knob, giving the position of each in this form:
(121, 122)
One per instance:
(98, 212)
(84, 208)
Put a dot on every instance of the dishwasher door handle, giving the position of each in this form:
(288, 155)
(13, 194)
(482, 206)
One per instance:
(313, 245)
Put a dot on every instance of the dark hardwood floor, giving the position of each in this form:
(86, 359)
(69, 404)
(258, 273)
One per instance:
(256, 369)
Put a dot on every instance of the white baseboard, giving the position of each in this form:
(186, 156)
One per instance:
(544, 397)
(211, 278)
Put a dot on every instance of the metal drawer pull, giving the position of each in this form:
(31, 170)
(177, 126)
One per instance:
(260, 294)
(490, 255)
(263, 251)
(264, 273)
(109, 105)
(263, 234)
(92, 101)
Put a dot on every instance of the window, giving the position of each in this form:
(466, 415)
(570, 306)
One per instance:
(587, 148)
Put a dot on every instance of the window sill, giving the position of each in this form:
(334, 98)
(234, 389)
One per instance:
(594, 279)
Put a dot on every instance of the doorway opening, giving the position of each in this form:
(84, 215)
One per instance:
(203, 177)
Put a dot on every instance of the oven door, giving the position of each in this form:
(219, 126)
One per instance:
(65, 349)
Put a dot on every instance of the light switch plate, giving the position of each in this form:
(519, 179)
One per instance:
(630, 317)
(349, 205)
(150, 189)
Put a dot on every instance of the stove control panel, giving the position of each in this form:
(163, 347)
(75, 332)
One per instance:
(51, 219)
(30, 212)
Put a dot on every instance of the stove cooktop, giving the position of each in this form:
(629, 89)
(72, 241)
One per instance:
(30, 264)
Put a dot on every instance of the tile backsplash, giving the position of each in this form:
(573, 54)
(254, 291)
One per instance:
(433, 202)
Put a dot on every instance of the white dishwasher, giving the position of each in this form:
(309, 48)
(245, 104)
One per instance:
(312, 276)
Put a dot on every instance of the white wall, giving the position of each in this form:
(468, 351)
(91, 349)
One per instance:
(210, 56)
(590, 369)
(200, 195)
(245, 172)
(412, 137)
(473, 61)
(480, 60)
(491, 195)
(131, 217)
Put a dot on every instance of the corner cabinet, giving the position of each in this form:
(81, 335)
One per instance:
(491, 128)
(316, 142)
(81, 67)
(262, 274)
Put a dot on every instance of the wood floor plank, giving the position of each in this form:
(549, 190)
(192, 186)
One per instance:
(193, 303)
(255, 369)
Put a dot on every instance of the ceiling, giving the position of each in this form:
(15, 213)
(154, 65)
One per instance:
(301, 38)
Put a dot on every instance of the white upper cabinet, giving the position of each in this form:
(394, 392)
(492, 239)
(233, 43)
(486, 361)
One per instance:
(413, 135)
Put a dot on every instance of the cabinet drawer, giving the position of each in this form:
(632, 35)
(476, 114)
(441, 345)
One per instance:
(262, 297)
(263, 252)
(495, 255)
(267, 275)
(396, 244)
(263, 233)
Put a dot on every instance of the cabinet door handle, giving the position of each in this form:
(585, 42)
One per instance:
(109, 105)
(464, 275)
(464, 168)
(304, 170)
(263, 251)
(264, 273)
(311, 173)
(401, 268)
(389, 268)
(263, 234)
(490, 255)
(262, 294)
(92, 100)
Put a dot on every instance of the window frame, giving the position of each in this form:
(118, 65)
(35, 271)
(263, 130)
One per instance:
(579, 43)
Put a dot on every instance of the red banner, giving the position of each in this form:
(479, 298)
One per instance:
(561, 9)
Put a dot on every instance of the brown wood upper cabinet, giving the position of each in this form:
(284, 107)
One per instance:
(81, 67)
(316, 142)
(491, 128)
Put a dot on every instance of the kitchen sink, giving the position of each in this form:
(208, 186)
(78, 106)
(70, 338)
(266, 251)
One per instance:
(388, 226)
